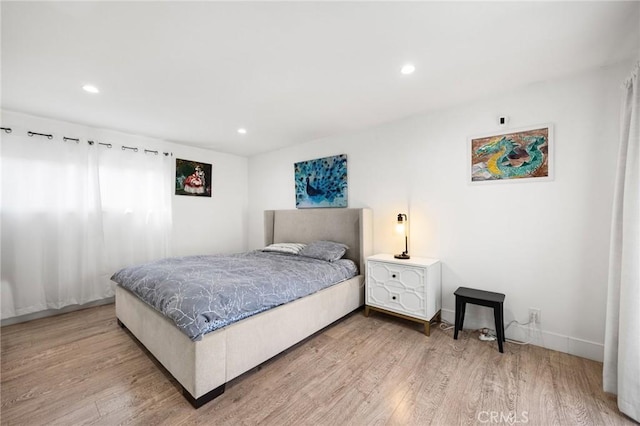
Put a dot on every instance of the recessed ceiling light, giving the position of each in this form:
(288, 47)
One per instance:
(242, 131)
(407, 69)
(90, 88)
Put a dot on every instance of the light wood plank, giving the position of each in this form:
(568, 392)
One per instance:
(81, 368)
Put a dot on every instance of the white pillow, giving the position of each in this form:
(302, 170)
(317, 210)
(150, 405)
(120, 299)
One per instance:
(288, 248)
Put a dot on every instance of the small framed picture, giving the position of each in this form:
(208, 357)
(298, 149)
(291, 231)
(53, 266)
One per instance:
(516, 155)
(193, 178)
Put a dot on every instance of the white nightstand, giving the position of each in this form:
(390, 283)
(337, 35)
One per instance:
(409, 289)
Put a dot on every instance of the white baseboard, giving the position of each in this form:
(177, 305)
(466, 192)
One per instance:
(52, 312)
(546, 339)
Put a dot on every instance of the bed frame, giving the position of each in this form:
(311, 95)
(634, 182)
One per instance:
(204, 367)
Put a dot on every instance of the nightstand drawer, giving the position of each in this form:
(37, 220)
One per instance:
(397, 276)
(398, 300)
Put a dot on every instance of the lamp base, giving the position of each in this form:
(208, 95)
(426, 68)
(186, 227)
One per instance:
(402, 256)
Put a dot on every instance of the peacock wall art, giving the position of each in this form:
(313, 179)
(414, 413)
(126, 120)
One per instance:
(321, 182)
(510, 156)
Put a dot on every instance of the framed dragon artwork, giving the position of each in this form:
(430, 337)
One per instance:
(515, 156)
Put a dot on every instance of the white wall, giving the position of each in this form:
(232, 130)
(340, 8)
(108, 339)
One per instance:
(217, 224)
(544, 244)
(200, 225)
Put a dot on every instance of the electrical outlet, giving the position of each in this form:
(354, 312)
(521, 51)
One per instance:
(534, 315)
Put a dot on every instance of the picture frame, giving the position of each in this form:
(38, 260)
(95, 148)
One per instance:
(193, 178)
(321, 182)
(512, 155)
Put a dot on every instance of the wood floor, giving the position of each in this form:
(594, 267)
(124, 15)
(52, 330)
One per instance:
(81, 368)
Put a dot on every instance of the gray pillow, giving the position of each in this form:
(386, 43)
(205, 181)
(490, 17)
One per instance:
(324, 250)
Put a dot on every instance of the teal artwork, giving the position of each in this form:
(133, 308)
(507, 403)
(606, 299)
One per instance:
(517, 155)
(321, 182)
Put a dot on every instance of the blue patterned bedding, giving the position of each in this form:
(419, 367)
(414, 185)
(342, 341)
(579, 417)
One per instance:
(203, 293)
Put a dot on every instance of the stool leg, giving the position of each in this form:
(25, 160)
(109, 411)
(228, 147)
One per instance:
(463, 308)
(457, 321)
(499, 327)
(504, 338)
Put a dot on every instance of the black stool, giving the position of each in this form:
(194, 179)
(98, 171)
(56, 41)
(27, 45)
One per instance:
(490, 299)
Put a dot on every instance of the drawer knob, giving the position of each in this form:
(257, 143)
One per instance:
(393, 275)
(393, 297)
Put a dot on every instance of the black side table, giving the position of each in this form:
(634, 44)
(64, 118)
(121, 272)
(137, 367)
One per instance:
(490, 299)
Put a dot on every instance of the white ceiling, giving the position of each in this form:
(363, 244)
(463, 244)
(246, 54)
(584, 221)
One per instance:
(289, 72)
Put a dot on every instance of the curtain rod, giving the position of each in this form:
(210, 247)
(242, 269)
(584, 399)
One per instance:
(32, 134)
(90, 142)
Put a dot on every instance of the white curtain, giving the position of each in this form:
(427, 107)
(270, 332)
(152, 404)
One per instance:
(136, 205)
(621, 371)
(51, 230)
(74, 213)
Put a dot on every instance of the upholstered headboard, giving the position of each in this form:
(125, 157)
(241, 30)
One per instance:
(353, 227)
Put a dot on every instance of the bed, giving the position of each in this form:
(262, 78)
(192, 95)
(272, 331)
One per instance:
(204, 366)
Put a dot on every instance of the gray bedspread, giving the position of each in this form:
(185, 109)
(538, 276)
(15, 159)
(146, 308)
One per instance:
(203, 293)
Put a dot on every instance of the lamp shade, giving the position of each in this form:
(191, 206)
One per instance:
(401, 225)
